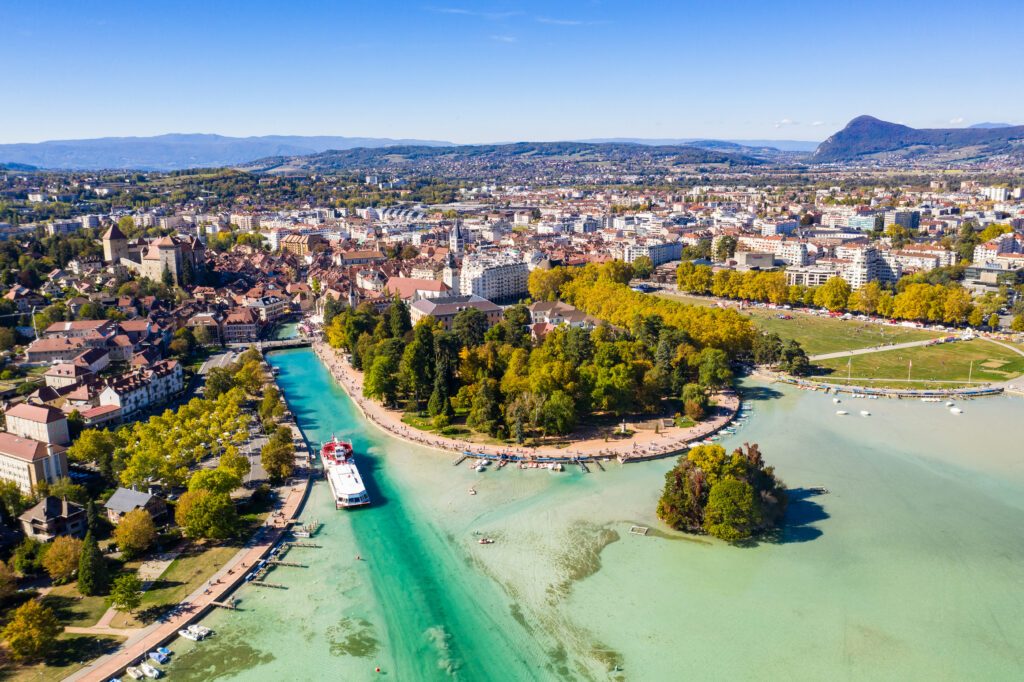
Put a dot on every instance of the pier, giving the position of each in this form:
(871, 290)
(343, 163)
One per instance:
(460, 459)
(261, 583)
(229, 604)
(293, 564)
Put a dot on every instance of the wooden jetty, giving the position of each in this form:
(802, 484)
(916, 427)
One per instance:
(263, 583)
(598, 463)
(583, 465)
(312, 545)
(459, 460)
(229, 604)
(278, 562)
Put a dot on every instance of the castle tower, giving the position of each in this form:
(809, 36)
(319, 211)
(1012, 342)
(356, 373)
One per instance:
(450, 274)
(456, 240)
(115, 245)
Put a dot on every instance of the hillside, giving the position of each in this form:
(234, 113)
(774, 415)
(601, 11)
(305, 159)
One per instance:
(176, 151)
(866, 138)
(521, 159)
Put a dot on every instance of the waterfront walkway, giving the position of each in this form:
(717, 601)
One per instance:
(645, 444)
(871, 349)
(144, 640)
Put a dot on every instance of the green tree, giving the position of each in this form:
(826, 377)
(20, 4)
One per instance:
(32, 632)
(234, 461)
(399, 321)
(713, 369)
(61, 558)
(469, 326)
(28, 557)
(13, 500)
(219, 380)
(126, 594)
(92, 569)
(135, 533)
(1018, 323)
(993, 321)
(278, 455)
(219, 480)
(7, 338)
(558, 414)
(8, 581)
(732, 511)
(166, 277)
(642, 267)
(204, 514)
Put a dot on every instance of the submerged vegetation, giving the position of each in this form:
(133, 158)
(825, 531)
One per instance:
(731, 497)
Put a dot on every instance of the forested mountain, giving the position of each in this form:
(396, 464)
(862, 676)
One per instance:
(177, 151)
(866, 138)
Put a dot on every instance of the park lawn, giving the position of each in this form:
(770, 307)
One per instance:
(185, 574)
(820, 335)
(71, 653)
(947, 362)
(74, 609)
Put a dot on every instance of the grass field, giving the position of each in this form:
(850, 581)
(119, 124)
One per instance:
(819, 335)
(941, 363)
(70, 654)
(74, 609)
(182, 577)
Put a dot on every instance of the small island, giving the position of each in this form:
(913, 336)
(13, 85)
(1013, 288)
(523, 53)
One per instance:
(731, 497)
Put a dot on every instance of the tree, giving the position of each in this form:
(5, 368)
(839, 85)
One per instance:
(135, 534)
(642, 267)
(204, 514)
(28, 557)
(725, 248)
(219, 480)
(234, 461)
(616, 271)
(1018, 323)
(92, 569)
(833, 294)
(14, 502)
(732, 512)
(63, 487)
(713, 369)
(203, 336)
(993, 321)
(278, 459)
(558, 414)
(470, 325)
(32, 631)
(399, 321)
(166, 277)
(8, 581)
(126, 594)
(7, 338)
(219, 380)
(61, 558)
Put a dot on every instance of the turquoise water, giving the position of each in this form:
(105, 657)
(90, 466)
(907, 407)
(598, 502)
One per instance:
(286, 331)
(909, 568)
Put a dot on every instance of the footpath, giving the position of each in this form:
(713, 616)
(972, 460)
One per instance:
(645, 444)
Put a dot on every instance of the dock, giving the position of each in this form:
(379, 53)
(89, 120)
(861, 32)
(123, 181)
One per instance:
(229, 604)
(583, 465)
(293, 564)
(638, 530)
(262, 583)
(311, 545)
(459, 460)
(599, 465)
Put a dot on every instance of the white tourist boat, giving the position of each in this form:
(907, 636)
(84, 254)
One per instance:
(189, 635)
(956, 410)
(842, 413)
(865, 413)
(342, 475)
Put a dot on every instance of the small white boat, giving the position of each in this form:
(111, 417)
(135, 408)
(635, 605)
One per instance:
(189, 635)
(472, 491)
(865, 413)
(134, 673)
(931, 400)
(149, 671)
(200, 630)
(956, 410)
(949, 403)
(836, 400)
(842, 413)
(485, 541)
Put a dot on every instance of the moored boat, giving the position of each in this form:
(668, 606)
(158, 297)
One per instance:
(342, 475)
(134, 673)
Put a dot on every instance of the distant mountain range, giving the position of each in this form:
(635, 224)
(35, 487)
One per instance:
(517, 160)
(866, 138)
(177, 151)
(778, 145)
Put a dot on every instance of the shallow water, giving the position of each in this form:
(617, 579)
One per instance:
(909, 568)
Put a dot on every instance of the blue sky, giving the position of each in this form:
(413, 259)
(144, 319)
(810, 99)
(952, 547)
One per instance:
(480, 71)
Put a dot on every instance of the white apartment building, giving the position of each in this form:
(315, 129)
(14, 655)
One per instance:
(144, 388)
(789, 251)
(658, 251)
(497, 277)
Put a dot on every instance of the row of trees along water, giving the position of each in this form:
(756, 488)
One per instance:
(508, 384)
(935, 296)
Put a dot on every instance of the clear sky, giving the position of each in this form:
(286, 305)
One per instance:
(486, 71)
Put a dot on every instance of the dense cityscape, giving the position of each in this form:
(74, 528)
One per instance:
(519, 383)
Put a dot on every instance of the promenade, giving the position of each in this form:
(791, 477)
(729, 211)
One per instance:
(222, 583)
(645, 444)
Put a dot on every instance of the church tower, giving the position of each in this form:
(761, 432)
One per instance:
(450, 274)
(456, 240)
(115, 245)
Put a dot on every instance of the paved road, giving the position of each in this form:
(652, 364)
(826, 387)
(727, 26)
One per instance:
(871, 349)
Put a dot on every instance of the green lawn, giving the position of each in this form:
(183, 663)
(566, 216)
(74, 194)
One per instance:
(944, 362)
(185, 574)
(70, 654)
(74, 609)
(819, 335)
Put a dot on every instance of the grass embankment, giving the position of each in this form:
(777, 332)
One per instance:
(949, 364)
(819, 335)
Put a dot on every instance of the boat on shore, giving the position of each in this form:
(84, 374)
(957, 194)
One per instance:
(342, 475)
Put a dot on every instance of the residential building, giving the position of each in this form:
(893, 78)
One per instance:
(498, 278)
(53, 517)
(27, 462)
(125, 500)
(445, 309)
